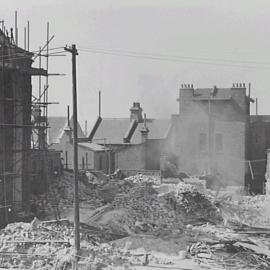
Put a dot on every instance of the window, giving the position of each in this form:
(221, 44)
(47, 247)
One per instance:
(203, 142)
(219, 143)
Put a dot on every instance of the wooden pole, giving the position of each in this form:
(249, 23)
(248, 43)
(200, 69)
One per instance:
(16, 28)
(99, 103)
(28, 35)
(74, 53)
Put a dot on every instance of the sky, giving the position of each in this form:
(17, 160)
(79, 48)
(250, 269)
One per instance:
(143, 50)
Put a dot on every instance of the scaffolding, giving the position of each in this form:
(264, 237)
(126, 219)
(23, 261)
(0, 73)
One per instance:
(23, 117)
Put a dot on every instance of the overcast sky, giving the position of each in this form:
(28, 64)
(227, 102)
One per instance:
(212, 43)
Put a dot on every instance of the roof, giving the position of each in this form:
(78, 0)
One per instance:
(92, 146)
(214, 93)
(56, 128)
(114, 130)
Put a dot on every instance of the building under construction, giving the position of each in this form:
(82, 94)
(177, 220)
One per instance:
(15, 124)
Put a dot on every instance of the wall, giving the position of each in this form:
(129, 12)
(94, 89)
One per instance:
(194, 160)
(267, 174)
(224, 120)
(42, 172)
(131, 157)
(234, 109)
(259, 142)
(154, 148)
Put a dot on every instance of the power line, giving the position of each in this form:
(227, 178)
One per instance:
(177, 58)
(173, 56)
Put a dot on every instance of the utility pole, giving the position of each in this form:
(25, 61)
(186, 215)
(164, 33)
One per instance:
(210, 135)
(74, 53)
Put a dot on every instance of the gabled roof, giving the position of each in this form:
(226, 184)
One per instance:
(114, 130)
(56, 128)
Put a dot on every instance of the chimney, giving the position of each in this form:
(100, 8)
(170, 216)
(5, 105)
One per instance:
(136, 112)
(144, 131)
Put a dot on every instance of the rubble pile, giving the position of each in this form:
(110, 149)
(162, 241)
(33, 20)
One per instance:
(248, 210)
(192, 205)
(59, 197)
(223, 248)
(140, 178)
(109, 190)
(149, 212)
(44, 246)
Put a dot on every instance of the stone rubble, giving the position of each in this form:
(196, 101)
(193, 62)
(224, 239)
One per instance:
(192, 205)
(149, 212)
(148, 217)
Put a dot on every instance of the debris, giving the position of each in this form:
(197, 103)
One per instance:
(192, 205)
(147, 209)
(140, 178)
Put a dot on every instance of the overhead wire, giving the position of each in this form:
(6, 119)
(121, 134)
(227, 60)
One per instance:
(175, 58)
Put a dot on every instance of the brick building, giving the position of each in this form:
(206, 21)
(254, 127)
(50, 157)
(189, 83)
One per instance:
(209, 135)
